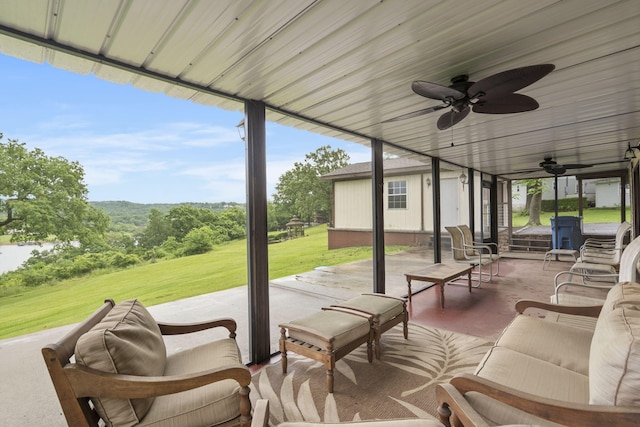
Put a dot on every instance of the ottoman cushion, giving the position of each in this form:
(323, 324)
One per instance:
(385, 308)
(344, 327)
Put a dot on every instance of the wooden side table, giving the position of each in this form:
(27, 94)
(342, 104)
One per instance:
(439, 274)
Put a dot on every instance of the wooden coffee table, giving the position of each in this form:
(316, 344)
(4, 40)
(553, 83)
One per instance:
(439, 274)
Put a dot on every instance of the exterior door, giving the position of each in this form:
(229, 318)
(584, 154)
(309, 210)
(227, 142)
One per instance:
(449, 202)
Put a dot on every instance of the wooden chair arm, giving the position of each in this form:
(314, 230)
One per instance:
(456, 403)
(88, 382)
(260, 414)
(564, 413)
(589, 311)
(187, 328)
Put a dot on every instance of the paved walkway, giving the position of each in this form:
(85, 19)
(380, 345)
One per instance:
(27, 397)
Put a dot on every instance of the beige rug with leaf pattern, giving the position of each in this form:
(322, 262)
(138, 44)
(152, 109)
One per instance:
(400, 385)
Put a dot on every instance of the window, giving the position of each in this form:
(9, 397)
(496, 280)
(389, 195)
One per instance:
(397, 194)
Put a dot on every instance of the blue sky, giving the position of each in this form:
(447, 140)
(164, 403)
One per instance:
(139, 146)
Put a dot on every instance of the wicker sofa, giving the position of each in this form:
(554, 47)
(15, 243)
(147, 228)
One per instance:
(547, 373)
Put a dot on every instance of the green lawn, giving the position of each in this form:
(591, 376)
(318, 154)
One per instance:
(590, 216)
(225, 267)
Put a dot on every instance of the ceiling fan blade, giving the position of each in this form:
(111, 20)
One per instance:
(576, 166)
(505, 104)
(556, 170)
(511, 80)
(452, 117)
(436, 91)
(416, 113)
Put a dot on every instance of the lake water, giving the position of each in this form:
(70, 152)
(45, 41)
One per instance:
(12, 256)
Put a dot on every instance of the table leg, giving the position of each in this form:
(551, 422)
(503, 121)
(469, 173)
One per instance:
(409, 289)
(441, 294)
(469, 279)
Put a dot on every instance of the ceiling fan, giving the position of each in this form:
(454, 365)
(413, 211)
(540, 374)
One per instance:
(552, 167)
(491, 95)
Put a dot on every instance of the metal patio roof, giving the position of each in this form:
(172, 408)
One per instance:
(341, 68)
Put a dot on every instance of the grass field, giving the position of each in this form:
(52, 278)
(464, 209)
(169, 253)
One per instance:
(590, 216)
(225, 267)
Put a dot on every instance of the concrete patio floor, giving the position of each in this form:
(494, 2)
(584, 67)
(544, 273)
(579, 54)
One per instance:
(28, 398)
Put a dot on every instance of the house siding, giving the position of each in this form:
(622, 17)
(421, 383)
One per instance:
(410, 226)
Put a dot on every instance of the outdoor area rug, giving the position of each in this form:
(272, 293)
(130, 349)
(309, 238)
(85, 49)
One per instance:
(400, 385)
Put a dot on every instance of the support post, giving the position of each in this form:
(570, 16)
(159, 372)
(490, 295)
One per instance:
(493, 200)
(472, 200)
(257, 252)
(623, 197)
(377, 179)
(437, 223)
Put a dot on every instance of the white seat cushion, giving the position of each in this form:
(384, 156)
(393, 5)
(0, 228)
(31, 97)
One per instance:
(535, 376)
(343, 327)
(385, 308)
(205, 406)
(559, 344)
(496, 413)
(614, 368)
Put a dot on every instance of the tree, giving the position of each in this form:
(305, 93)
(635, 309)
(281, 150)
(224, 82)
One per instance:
(42, 196)
(157, 230)
(534, 199)
(301, 192)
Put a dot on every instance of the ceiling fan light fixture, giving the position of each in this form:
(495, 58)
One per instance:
(630, 153)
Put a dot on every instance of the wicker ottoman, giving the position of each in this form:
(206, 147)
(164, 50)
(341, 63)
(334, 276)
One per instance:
(326, 336)
(386, 311)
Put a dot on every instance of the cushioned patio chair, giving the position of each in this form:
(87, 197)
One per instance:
(121, 374)
(460, 255)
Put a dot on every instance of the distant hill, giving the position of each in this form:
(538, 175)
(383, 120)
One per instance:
(129, 216)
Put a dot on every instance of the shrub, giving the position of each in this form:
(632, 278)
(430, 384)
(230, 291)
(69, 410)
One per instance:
(121, 260)
(198, 241)
(568, 204)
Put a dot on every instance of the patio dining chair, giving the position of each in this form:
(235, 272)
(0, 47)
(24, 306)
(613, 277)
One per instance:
(460, 255)
(472, 248)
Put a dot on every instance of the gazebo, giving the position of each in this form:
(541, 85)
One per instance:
(295, 228)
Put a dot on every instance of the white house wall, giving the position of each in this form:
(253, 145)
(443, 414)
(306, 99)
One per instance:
(410, 218)
(353, 203)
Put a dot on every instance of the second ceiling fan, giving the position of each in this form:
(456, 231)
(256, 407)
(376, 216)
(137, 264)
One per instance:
(491, 95)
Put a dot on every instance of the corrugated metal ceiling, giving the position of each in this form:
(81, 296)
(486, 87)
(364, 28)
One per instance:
(350, 64)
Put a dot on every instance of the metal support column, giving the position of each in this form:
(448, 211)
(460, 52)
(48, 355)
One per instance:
(377, 179)
(623, 197)
(257, 252)
(472, 200)
(493, 201)
(437, 223)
